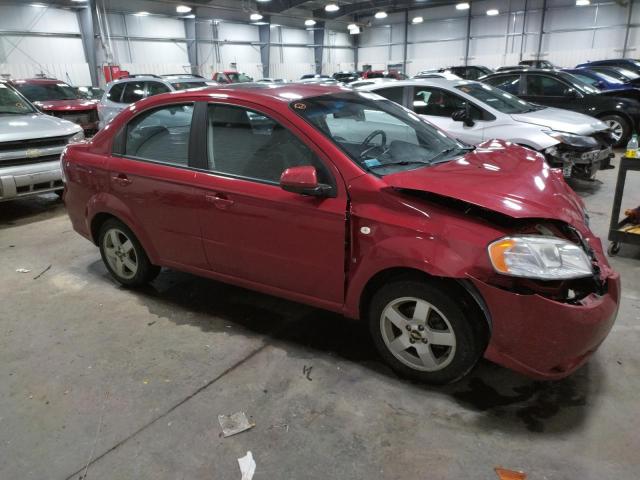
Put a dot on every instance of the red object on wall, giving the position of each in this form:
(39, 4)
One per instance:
(113, 72)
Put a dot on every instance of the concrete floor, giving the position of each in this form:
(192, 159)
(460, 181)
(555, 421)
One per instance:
(123, 384)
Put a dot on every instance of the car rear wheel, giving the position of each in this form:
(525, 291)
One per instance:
(620, 129)
(124, 256)
(422, 333)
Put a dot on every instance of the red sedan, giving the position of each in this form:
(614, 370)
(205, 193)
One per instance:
(59, 99)
(346, 201)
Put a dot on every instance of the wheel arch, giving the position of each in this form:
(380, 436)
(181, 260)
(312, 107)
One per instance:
(463, 289)
(622, 114)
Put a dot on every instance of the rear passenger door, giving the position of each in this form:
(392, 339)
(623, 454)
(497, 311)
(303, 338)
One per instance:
(548, 90)
(150, 174)
(252, 229)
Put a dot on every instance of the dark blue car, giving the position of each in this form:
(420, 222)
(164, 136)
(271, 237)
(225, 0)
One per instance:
(628, 63)
(603, 78)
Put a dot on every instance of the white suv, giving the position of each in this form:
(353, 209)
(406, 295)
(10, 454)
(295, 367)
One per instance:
(121, 93)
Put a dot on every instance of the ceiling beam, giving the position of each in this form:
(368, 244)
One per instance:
(371, 6)
(278, 6)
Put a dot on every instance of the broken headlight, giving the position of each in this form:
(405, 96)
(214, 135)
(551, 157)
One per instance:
(578, 141)
(539, 257)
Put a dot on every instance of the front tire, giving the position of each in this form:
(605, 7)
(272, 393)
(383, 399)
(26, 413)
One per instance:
(422, 333)
(124, 256)
(620, 127)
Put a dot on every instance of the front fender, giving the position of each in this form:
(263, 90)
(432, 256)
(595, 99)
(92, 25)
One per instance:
(105, 203)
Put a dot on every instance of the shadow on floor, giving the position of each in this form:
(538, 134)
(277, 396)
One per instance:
(503, 400)
(29, 210)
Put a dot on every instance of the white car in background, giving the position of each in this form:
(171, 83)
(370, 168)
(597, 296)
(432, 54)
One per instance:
(446, 74)
(474, 112)
(125, 91)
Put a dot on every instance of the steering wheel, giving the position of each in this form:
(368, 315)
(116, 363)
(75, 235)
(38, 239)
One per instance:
(371, 136)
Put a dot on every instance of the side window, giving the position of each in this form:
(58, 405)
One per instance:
(116, 92)
(473, 73)
(249, 144)
(542, 86)
(133, 91)
(220, 78)
(156, 88)
(393, 93)
(161, 135)
(440, 103)
(508, 83)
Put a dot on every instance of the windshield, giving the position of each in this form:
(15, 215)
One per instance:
(48, 91)
(624, 73)
(240, 78)
(578, 84)
(498, 99)
(377, 134)
(11, 103)
(186, 85)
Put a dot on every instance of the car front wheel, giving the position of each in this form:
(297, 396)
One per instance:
(619, 127)
(422, 333)
(124, 256)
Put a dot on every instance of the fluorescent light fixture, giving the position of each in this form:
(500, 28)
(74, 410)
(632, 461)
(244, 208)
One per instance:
(331, 7)
(352, 26)
(183, 9)
(79, 1)
(417, 20)
(263, 1)
(189, 16)
(463, 6)
(354, 31)
(493, 12)
(255, 17)
(310, 22)
(583, 3)
(141, 14)
(381, 15)
(39, 5)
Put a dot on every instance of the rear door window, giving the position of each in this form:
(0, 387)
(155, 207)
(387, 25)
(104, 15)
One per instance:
(133, 91)
(440, 103)
(115, 94)
(508, 83)
(156, 88)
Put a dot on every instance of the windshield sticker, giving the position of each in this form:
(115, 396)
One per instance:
(372, 162)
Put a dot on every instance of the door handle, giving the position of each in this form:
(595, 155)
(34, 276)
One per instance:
(219, 200)
(122, 179)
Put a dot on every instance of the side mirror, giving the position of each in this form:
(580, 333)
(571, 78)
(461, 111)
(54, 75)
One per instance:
(571, 93)
(463, 116)
(303, 180)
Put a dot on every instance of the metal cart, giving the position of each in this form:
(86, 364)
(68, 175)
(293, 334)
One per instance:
(616, 235)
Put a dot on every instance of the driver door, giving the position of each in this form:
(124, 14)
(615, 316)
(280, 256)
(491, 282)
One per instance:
(437, 105)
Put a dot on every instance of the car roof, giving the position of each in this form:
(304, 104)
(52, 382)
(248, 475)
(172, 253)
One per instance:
(527, 70)
(39, 81)
(431, 82)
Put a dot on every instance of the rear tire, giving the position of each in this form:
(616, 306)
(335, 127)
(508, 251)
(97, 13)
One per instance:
(422, 333)
(620, 127)
(124, 256)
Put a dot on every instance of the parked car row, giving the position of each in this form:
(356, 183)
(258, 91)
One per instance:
(348, 201)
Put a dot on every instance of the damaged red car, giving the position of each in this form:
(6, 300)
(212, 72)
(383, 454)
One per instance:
(55, 97)
(346, 201)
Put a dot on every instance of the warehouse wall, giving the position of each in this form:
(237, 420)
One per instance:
(572, 34)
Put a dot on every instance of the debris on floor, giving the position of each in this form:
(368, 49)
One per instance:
(247, 466)
(506, 474)
(22, 270)
(42, 272)
(306, 371)
(234, 423)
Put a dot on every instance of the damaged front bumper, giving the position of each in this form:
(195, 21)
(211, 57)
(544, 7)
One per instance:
(578, 163)
(544, 338)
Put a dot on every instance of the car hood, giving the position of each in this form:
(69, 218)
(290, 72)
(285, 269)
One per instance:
(35, 125)
(561, 121)
(76, 105)
(502, 177)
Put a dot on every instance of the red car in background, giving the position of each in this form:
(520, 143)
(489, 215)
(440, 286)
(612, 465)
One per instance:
(347, 201)
(231, 76)
(61, 100)
(384, 74)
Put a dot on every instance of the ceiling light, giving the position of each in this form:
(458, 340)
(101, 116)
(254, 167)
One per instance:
(255, 17)
(352, 26)
(354, 31)
(141, 14)
(310, 22)
(493, 12)
(39, 5)
(417, 20)
(189, 16)
(263, 1)
(462, 6)
(183, 9)
(79, 1)
(381, 15)
(332, 7)
(582, 3)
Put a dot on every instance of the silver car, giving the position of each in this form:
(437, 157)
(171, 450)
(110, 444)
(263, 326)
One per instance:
(30, 147)
(122, 93)
(474, 112)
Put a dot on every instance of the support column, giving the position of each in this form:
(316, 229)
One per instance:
(356, 45)
(523, 37)
(318, 45)
(544, 13)
(406, 40)
(191, 33)
(468, 42)
(265, 46)
(87, 31)
(626, 35)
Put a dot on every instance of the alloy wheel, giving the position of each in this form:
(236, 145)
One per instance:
(616, 129)
(418, 334)
(120, 253)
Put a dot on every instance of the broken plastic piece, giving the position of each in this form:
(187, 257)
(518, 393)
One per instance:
(234, 423)
(506, 474)
(22, 270)
(247, 466)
